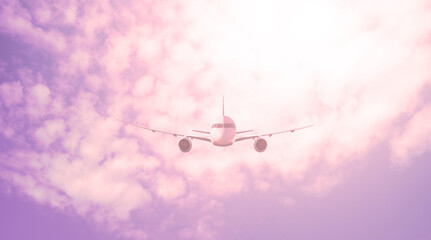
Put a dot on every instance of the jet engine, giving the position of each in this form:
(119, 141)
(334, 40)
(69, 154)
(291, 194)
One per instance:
(260, 144)
(185, 144)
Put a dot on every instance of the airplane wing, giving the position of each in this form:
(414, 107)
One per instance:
(244, 131)
(270, 134)
(166, 132)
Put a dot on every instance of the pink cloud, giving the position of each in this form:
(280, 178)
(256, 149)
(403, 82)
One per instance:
(413, 140)
(169, 188)
(322, 185)
(17, 20)
(50, 131)
(38, 100)
(37, 190)
(11, 93)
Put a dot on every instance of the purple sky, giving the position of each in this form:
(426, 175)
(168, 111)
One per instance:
(359, 70)
(373, 203)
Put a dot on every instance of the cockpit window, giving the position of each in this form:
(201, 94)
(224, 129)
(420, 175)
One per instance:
(221, 125)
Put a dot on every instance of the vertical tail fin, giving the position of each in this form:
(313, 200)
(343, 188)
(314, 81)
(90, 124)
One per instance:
(223, 106)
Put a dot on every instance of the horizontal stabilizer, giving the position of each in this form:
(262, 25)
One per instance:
(199, 131)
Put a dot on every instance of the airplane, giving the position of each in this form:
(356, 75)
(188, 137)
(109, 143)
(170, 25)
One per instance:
(221, 134)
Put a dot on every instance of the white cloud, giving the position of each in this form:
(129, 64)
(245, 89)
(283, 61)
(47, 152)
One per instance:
(36, 189)
(207, 225)
(169, 187)
(50, 131)
(81, 59)
(11, 93)
(15, 19)
(38, 99)
(105, 187)
(414, 140)
(322, 184)
(144, 85)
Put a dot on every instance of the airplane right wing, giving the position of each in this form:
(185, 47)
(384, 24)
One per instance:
(239, 132)
(270, 134)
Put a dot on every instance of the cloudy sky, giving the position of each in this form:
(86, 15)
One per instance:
(359, 70)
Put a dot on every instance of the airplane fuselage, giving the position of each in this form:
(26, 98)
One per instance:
(223, 133)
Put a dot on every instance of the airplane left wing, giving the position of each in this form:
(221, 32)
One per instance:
(270, 134)
(199, 131)
(207, 139)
